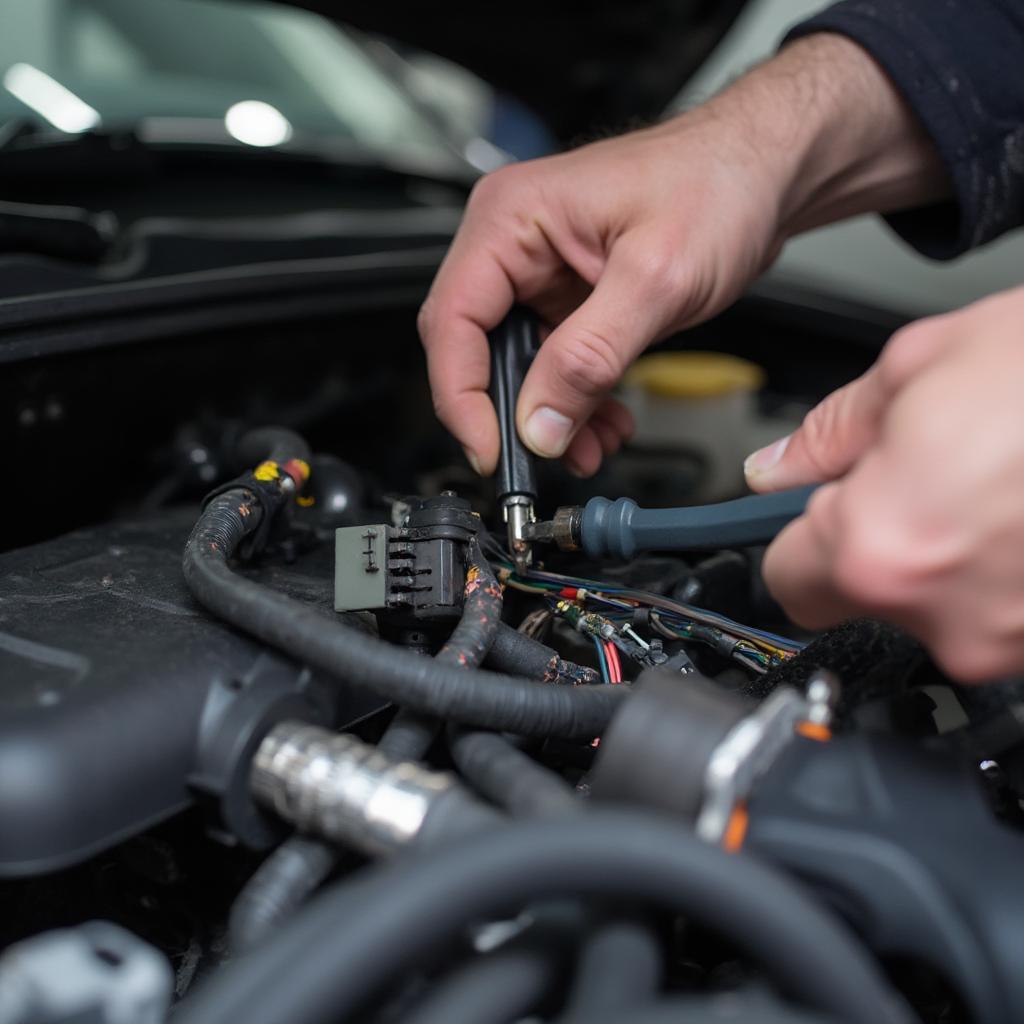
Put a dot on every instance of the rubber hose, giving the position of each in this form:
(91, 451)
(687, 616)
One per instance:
(347, 944)
(468, 696)
(409, 735)
(499, 988)
(278, 887)
(521, 655)
(726, 1008)
(474, 634)
(276, 443)
(507, 776)
(300, 865)
(621, 965)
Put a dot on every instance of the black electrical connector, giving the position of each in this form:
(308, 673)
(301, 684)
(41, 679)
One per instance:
(414, 574)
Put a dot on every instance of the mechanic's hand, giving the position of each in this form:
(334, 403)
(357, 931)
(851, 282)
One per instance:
(614, 245)
(624, 241)
(923, 523)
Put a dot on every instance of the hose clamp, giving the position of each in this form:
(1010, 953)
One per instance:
(751, 747)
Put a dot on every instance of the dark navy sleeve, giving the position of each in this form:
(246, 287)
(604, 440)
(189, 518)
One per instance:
(960, 65)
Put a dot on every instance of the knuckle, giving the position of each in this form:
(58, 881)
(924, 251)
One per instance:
(822, 434)
(588, 362)
(441, 407)
(662, 273)
(906, 349)
(495, 187)
(449, 410)
(446, 404)
(866, 573)
(659, 265)
(425, 319)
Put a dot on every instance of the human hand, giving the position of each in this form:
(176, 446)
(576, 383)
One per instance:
(627, 240)
(923, 520)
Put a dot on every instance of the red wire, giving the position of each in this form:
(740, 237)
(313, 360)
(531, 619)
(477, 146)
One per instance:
(614, 665)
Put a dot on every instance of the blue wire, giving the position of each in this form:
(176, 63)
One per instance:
(602, 660)
(678, 610)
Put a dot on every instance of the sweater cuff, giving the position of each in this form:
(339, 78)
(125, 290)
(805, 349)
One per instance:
(917, 62)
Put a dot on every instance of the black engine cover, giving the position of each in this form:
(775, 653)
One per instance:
(109, 672)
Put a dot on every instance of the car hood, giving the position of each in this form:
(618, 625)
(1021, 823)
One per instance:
(583, 67)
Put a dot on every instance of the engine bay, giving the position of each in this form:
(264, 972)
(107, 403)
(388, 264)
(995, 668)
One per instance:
(290, 733)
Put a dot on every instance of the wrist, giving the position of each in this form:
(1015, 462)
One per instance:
(833, 135)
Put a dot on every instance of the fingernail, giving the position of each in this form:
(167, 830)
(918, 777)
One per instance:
(548, 432)
(473, 461)
(576, 471)
(763, 461)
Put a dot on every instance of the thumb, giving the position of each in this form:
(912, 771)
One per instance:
(831, 439)
(838, 431)
(586, 355)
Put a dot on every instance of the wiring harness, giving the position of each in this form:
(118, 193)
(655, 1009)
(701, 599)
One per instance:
(526, 813)
(609, 614)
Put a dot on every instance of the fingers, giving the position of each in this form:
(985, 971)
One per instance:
(586, 355)
(798, 566)
(837, 432)
(602, 436)
(833, 435)
(496, 257)
(453, 325)
(866, 547)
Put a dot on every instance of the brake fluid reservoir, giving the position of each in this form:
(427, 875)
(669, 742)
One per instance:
(702, 403)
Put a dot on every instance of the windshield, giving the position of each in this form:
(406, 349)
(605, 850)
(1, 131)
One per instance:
(201, 70)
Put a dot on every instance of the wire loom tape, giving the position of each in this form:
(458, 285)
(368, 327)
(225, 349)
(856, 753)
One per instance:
(349, 943)
(469, 696)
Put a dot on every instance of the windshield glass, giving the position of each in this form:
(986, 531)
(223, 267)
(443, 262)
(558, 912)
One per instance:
(202, 70)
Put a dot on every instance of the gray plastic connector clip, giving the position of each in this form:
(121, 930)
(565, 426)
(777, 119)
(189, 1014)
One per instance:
(97, 973)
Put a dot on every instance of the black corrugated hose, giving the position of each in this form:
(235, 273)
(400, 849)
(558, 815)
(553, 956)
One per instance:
(508, 777)
(725, 1008)
(409, 735)
(345, 946)
(301, 864)
(278, 887)
(501, 987)
(277, 443)
(468, 696)
(508, 983)
(620, 967)
(520, 654)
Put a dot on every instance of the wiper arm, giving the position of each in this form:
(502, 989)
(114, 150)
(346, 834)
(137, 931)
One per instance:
(66, 232)
(16, 128)
(25, 146)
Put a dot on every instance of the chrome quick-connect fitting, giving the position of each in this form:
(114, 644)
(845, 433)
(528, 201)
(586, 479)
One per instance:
(337, 787)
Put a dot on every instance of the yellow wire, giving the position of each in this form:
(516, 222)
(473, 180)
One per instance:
(520, 586)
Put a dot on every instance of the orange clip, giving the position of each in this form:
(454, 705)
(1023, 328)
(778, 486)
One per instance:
(814, 731)
(736, 830)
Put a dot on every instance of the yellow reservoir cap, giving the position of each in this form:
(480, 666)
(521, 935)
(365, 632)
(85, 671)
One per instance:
(694, 374)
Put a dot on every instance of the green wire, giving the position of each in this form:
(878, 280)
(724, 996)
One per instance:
(602, 660)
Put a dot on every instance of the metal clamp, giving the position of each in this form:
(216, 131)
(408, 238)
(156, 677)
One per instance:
(753, 744)
(517, 511)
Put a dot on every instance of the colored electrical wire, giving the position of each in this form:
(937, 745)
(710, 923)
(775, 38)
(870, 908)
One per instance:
(614, 665)
(602, 661)
(754, 648)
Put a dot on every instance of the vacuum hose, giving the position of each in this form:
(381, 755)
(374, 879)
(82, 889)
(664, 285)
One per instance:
(347, 945)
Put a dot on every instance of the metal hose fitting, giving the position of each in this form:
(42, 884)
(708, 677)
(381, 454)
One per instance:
(335, 786)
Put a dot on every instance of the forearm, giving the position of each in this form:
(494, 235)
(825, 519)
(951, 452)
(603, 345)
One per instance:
(827, 123)
(958, 69)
